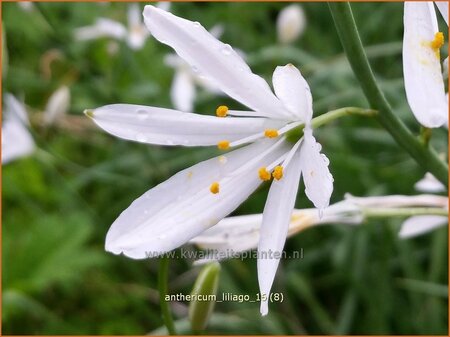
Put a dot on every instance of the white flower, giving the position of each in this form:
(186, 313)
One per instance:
(422, 224)
(429, 184)
(57, 105)
(424, 83)
(291, 23)
(197, 198)
(16, 139)
(135, 34)
(26, 6)
(237, 234)
(183, 90)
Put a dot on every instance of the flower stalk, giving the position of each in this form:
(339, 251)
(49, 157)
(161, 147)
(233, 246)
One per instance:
(295, 134)
(425, 156)
(162, 287)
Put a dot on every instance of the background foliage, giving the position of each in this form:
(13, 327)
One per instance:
(59, 203)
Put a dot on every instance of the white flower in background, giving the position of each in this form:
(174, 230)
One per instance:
(237, 234)
(424, 82)
(430, 184)
(197, 198)
(185, 80)
(16, 139)
(26, 6)
(291, 23)
(57, 105)
(135, 34)
(422, 224)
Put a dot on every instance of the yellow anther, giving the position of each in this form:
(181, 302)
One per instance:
(223, 145)
(438, 41)
(222, 111)
(271, 133)
(278, 172)
(214, 188)
(264, 174)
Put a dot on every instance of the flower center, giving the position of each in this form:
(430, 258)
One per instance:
(214, 188)
(437, 43)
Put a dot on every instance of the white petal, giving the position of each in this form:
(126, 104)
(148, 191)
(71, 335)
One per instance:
(171, 127)
(134, 15)
(182, 207)
(293, 90)
(213, 59)
(57, 105)
(290, 23)
(217, 30)
(16, 139)
(316, 175)
(390, 201)
(424, 83)
(183, 91)
(429, 184)
(164, 5)
(274, 228)
(421, 224)
(102, 28)
(443, 8)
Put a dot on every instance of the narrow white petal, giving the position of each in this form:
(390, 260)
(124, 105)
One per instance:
(443, 8)
(424, 83)
(291, 23)
(426, 200)
(182, 92)
(102, 28)
(182, 207)
(134, 15)
(213, 59)
(274, 228)
(164, 5)
(429, 184)
(171, 127)
(17, 141)
(316, 175)
(293, 90)
(57, 105)
(421, 224)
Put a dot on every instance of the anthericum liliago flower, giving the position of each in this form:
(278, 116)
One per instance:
(197, 198)
(424, 82)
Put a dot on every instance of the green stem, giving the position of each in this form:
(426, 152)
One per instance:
(295, 134)
(348, 33)
(402, 212)
(162, 286)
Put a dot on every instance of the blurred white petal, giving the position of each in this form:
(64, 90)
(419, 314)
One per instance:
(443, 8)
(183, 91)
(421, 224)
(164, 5)
(161, 126)
(17, 141)
(213, 59)
(291, 23)
(429, 184)
(316, 175)
(424, 83)
(217, 30)
(137, 32)
(26, 6)
(182, 207)
(57, 105)
(293, 90)
(390, 201)
(274, 228)
(102, 28)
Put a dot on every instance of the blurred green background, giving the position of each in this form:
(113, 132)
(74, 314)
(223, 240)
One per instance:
(59, 203)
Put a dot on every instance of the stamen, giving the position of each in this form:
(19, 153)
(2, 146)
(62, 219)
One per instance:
(222, 111)
(438, 41)
(271, 133)
(214, 188)
(223, 145)
(264, 174)
(278, 172)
